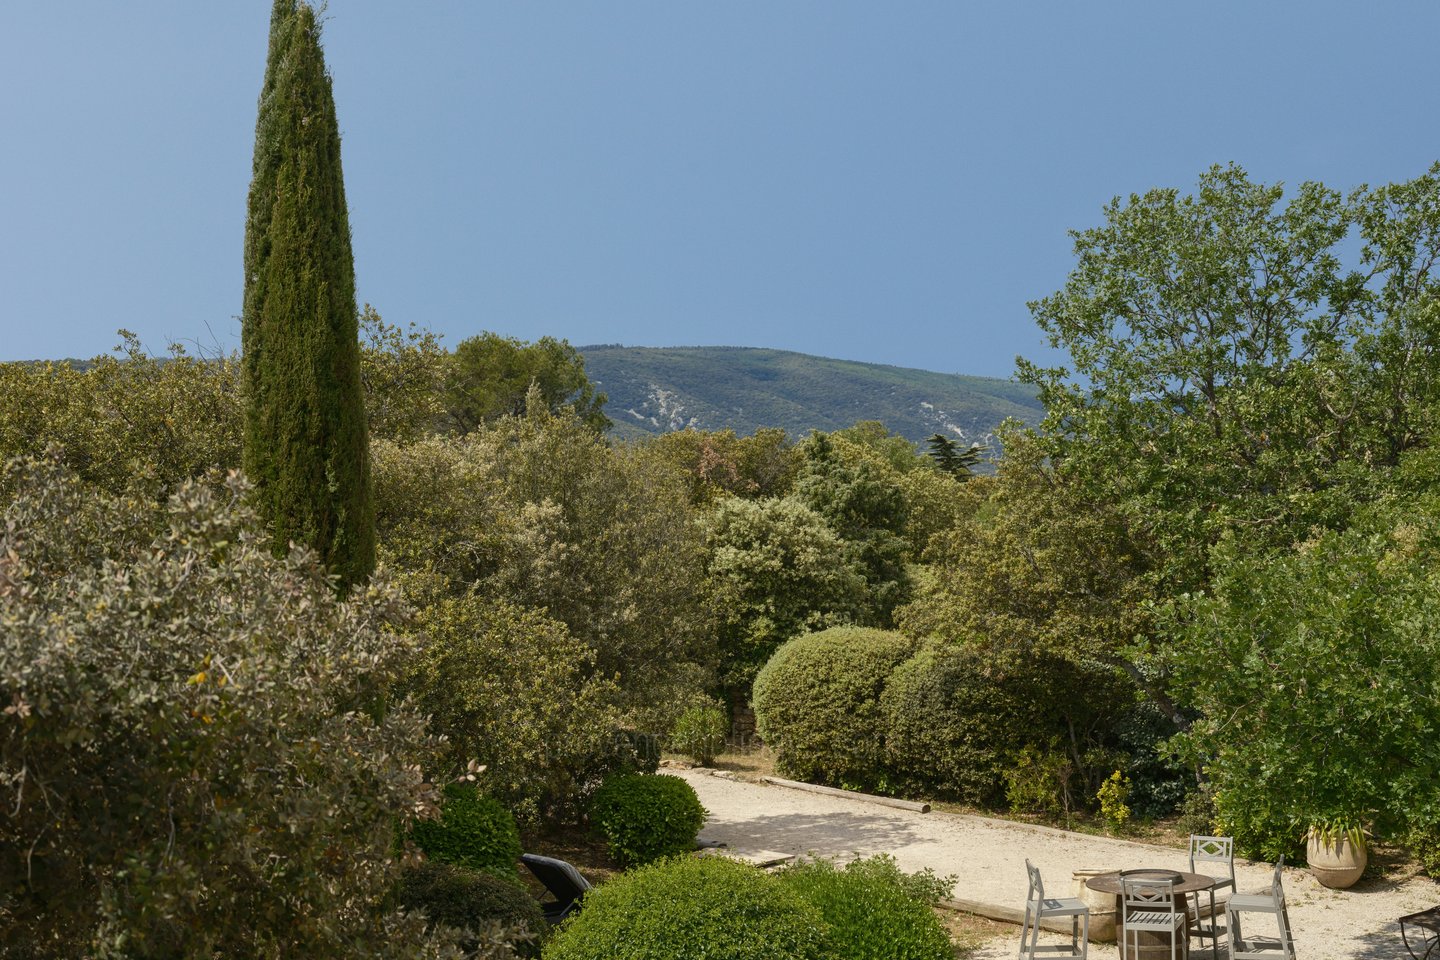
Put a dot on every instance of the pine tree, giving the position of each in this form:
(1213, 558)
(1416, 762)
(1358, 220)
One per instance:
(306, 448)
(949, 458)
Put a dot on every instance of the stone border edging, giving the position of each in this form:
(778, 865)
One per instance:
(910, 805)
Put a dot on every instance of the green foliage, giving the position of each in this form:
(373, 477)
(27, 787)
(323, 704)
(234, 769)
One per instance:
(776, 569)
(200, 753)
(489, 377)
(474, 831)
(655, 390)
(952, 460)
(700, 733)
(1033, 568)
(694, 908)
(817, 704)
(1241, 365)
(644, 817)
(1038, 780)
(891, 449)
(870, 912)
(125, 423)
(718, 462)
(480, 903)
(1112, 797)
(861, 503)
(954, 717)
(540, 512)
(1316, 672)
(1422, 841)
(403, 372)
(511, 688)
(923, 886)
(305, 440)
(1198, 814)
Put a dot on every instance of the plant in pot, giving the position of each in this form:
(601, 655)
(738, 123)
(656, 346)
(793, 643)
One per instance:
(1336, 852)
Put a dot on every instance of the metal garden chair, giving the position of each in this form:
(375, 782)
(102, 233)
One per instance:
(1273, 903)
(1038, 907)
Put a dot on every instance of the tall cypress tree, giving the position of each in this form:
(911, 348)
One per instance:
(306, 448)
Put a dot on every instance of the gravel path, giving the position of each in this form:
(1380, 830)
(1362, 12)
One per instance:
(989, 858)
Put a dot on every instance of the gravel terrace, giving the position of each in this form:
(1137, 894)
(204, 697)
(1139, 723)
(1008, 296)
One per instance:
(989, 858)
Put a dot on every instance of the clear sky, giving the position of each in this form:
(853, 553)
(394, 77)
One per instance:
(880, 181)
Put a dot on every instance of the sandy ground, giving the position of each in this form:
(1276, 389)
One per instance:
(989, 857)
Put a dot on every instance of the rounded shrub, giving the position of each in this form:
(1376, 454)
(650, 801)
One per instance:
(474, 900)
(700, 733)
(817, 704)
(953, 718)
(644, 817)
(692, 908)
(473, 831)
(870, 912)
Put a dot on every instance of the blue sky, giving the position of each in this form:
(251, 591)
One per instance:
(888, 182)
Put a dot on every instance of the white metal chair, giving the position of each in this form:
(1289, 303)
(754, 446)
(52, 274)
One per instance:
(1038, 907)
(1261, 948)
(1208, 856)
(1147, 905)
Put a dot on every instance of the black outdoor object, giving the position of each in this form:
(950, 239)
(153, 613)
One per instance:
(1424, 932)
(562, 880)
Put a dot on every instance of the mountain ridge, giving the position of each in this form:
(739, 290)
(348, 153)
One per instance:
(654, 390)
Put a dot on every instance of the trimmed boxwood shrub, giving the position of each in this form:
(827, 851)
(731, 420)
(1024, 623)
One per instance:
(473, 900)
(870, 912)
(700, 733)
(644, 817)
(692, 908)
(473, 831)
(954, 716)
(817, 704)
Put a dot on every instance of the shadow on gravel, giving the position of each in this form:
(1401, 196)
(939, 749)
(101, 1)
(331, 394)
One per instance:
(839, 834)
(1381, 945)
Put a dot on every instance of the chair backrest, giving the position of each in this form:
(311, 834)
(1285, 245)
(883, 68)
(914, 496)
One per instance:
(1213, 850)
(1037, 887)
(1277, 891)
(559, 877)
(1148, 893)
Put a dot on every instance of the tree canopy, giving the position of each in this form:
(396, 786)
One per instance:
(490, 377)
(1239, 363)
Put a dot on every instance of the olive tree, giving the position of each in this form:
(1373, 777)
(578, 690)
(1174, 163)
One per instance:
(200, 753)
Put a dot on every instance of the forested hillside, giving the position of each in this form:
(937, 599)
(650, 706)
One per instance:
(654, 390)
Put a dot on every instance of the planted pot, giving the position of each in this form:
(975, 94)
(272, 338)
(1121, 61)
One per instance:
(1337, 859)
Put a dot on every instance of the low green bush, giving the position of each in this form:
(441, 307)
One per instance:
(700, 733)
(1038, 780)
(924, 886)
(871, 912)
(473, 831)
(644, 817)
(817, 704)
(954, 718)
(1112, 796)
(693, 908)
(474, 901)
(513, 688)
(1423, 843)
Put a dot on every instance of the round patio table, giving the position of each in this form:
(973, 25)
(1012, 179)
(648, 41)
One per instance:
(1153, 946)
